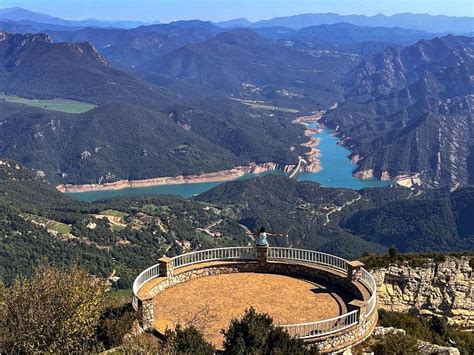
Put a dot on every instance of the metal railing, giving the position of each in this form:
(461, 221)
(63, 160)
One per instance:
(200, 256)
(303, 330)
(322, 327)
(309, 256)
(145, 276)
(367, 279)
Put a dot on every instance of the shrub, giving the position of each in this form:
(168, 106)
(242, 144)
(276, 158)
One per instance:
(56, 310)
(393, 252)
(142, 344)
(116, 322)
(255, 333)
(432, 329)
(188, 340)
(396, 344)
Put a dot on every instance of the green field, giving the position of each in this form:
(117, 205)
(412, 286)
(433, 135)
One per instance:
(50, 224)
(121, 294)
(262, 106)
(61, 105)
(114, 213)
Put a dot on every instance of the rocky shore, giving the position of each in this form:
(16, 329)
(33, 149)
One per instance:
(310, 164)
(311, 160)
(224, 175)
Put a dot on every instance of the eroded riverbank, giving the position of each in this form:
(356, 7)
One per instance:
(327, 163)
(214, 177)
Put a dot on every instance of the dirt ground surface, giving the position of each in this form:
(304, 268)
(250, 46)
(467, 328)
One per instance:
(210, 303)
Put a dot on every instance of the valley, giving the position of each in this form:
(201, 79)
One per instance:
(139, 154)
(235, 92)
(331, 167)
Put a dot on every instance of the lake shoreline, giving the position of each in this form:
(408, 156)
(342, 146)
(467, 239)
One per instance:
(312, 158)
(218, 176)
(311, 165)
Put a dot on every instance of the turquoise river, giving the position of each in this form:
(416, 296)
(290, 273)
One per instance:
(336, 171)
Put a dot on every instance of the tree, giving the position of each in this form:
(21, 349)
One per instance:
(393, 252)
(188, 340)
(56, 310)
(255, 333)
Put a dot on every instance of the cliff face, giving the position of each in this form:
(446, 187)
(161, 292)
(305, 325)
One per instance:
(445, 288)
(411, 111)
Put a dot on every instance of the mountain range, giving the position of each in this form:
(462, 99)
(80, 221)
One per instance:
(167, 94)
(422, 22)
(410, 111)
(137, 130)
(27, 17)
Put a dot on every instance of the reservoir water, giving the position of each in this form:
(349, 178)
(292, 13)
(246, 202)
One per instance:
(337, 168)
(336, 171)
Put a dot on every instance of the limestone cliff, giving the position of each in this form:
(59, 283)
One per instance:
(443, 288)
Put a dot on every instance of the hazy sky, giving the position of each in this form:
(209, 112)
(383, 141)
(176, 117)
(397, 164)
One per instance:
(168, 10)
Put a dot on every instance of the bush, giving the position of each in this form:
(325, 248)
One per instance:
(433, 330)
(188, 340)
(393, 252)
(414, 326)
(255, 333)
(56, 310)
(116, 322)
(142, 344)
(396, 344)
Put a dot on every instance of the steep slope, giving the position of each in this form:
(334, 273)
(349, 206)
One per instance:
(37, 222)
(346, 221)
(138, 130)
(410, 111)
(245, 64)
(126, 234)
(130, 48)
(33, 66)
(436, 287)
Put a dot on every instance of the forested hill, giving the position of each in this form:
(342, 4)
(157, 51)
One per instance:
(410, 111)
(137, 130)
(129, 234)
(248, 65)
(341, 221)
(39, 223)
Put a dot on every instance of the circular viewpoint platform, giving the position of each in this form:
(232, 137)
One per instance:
(318, 297)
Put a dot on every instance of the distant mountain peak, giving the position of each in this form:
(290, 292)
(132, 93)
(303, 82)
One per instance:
(23, 40)
(238, 35)
(238, 22)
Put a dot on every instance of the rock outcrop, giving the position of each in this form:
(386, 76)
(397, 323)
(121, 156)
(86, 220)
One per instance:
(424, 348)
(411, 111)
(439, 288)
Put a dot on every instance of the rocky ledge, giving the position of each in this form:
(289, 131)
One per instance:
(438, 288)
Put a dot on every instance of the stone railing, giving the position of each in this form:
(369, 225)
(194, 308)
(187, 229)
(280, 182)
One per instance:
(264, 258)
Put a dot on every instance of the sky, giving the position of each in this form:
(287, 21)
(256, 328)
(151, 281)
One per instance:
(216, 10)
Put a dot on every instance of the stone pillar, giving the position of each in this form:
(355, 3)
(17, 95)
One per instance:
(354, 270)
(262, 255)
(361, 306)
(147, 313)
(166, 266)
